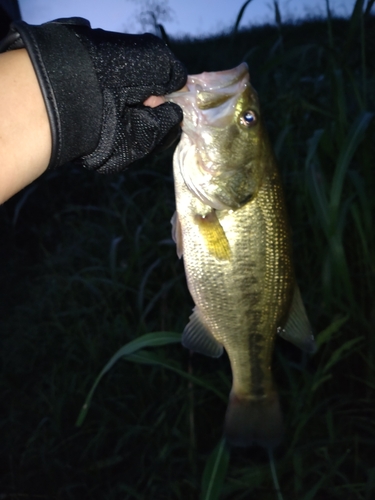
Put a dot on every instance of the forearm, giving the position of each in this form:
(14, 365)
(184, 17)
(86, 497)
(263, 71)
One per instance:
(25, 137)
(82, 95)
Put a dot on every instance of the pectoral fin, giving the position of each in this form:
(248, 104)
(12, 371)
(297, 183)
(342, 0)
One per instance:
(177, 234)
(298, 329)
(198, 338)
(213, 235)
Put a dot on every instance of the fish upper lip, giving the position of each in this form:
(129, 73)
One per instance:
(197, 83)
(240, 72)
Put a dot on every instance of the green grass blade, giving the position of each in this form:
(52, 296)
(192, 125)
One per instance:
(113, 251)
(329, 24)
(279, 142)
(361, 192)
(26, 194)
(163, 33)
(319, 483)
(153, 358)
(315, 180)
(327, 334)
(320, 381)
(239, 16)
(356, 16)
(142, 286)
(363, 235)
(369, 6)
(148, 340)
(354, 138)
(215, 472)
(340, 102)
(275, 479)
(370, 485)
(277, 14)
(341, 352)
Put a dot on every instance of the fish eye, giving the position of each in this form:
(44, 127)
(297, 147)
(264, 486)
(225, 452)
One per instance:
(248, 118)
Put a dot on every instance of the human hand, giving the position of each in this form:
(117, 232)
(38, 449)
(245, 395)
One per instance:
(96, 85)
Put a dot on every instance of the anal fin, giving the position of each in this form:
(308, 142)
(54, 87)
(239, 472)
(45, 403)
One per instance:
(297, 329)
(197, 337)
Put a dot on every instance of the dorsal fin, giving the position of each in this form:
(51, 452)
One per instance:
(297, 329)
(198, 338)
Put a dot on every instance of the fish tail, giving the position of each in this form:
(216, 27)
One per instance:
(251, 421)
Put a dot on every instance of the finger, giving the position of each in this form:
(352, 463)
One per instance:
(168, 74)
(154, 101)
(151, 125)
(178, 77)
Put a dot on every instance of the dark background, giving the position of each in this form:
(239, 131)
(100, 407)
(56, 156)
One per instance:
(87, 265)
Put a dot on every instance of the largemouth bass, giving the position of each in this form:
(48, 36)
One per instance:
(231, 228)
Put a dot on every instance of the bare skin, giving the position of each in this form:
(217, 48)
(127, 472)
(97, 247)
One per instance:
(153, 101)
(25, 135)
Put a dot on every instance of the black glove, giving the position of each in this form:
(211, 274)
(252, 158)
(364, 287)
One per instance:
(94, 83)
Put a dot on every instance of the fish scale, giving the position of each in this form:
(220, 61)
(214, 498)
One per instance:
(232, 230)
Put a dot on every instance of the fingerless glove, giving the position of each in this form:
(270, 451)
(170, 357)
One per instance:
(94, 83)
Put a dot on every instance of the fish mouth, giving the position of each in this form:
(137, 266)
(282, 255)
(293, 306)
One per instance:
(208, 102)
(216, 81)
(208, 98)
(219, 80)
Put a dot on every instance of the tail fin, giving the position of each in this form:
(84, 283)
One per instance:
(254, 421)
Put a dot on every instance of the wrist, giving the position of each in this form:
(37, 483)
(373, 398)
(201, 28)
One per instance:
(69, 86)
(25, 136)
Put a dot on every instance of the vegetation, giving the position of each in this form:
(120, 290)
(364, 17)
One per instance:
(88, 266)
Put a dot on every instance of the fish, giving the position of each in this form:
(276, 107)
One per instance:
(231, 229)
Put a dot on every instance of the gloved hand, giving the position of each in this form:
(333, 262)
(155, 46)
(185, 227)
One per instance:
(94, 83)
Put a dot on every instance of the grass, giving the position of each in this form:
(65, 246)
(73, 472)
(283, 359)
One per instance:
(88, 266)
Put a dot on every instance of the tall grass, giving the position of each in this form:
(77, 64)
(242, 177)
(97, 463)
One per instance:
(88, 266)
